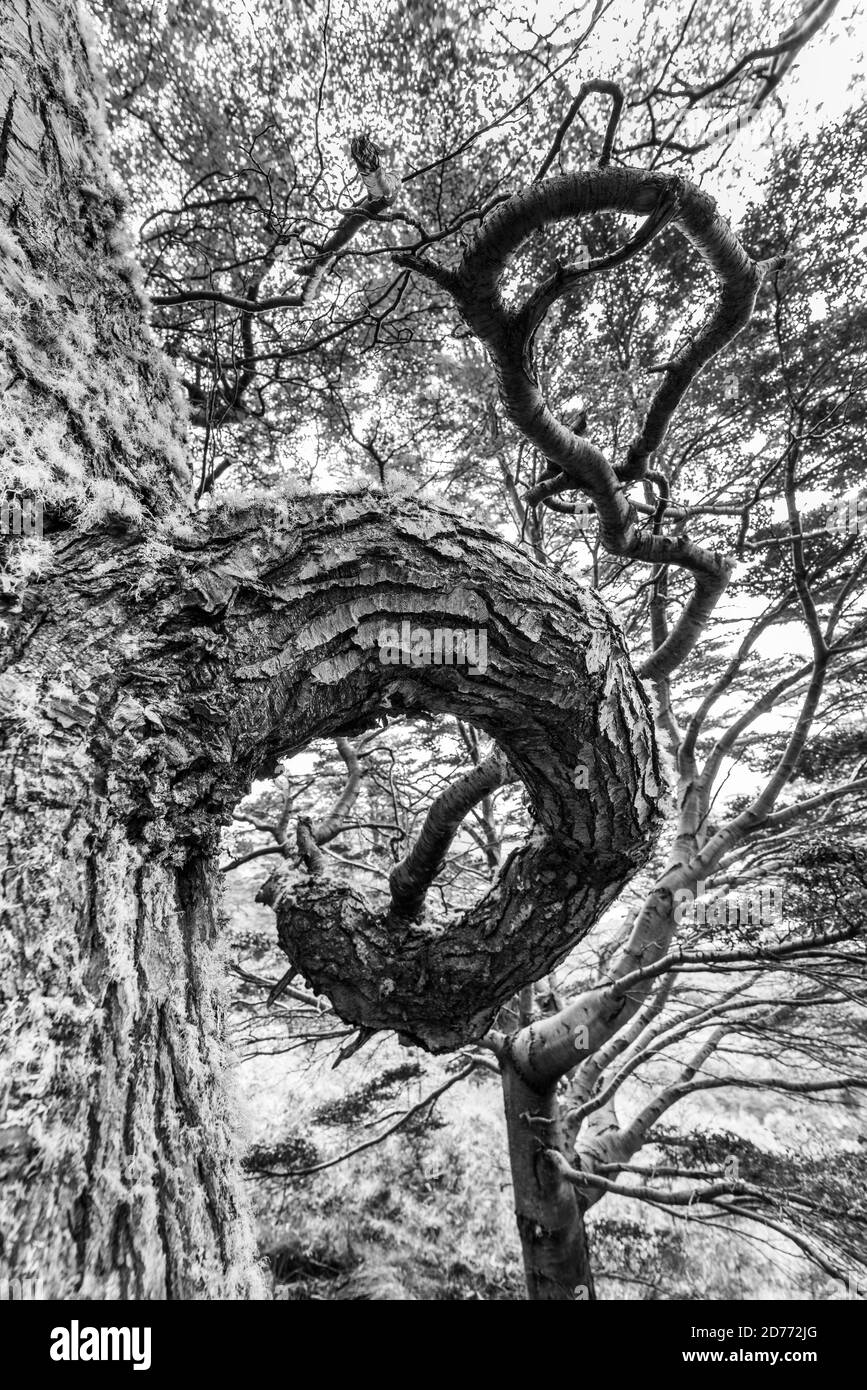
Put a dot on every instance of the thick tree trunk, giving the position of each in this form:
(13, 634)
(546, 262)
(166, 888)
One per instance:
(117, 1151)
(118, 1156)
(549, 1216)
(91, 416)
(117, 1145)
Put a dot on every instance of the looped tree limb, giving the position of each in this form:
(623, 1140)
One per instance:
(508, 332)
(558, 695)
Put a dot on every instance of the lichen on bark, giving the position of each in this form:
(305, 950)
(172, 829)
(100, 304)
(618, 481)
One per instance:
(94, 421)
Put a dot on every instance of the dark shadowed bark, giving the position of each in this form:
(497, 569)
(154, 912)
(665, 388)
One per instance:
(508, 331)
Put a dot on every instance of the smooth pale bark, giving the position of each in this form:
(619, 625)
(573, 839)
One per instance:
(410, 880)
(548, 1212)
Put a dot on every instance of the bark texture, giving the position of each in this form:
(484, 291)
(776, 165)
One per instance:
(158, 663)
(92, 417)
(149, 677)
(560, 698)
(117, 1146)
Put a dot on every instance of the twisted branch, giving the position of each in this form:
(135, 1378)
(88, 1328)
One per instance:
(508, 334)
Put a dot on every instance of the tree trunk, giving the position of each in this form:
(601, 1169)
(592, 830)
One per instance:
(144, 686)
(549, 1215)
(117, 1150)
(117, 1135)
(92, 417)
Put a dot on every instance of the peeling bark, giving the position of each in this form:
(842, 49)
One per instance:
(146, 684)
(560, 698)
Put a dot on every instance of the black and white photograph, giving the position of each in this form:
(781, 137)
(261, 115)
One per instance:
(433, 666)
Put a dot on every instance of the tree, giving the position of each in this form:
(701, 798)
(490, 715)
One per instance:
(166, 655)
(128, 759)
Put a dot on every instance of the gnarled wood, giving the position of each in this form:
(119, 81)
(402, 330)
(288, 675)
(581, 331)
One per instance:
(508, 333)
(558, 695)
(145, 687)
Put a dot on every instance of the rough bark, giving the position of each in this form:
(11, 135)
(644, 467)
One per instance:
(92, 417)
(118, 1154)
(117, 1147)
(145, 685)
(560, 698)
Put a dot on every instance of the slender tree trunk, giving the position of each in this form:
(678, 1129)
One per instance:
(549, 1216)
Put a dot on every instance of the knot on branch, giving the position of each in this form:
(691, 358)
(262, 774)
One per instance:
(368, 162)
